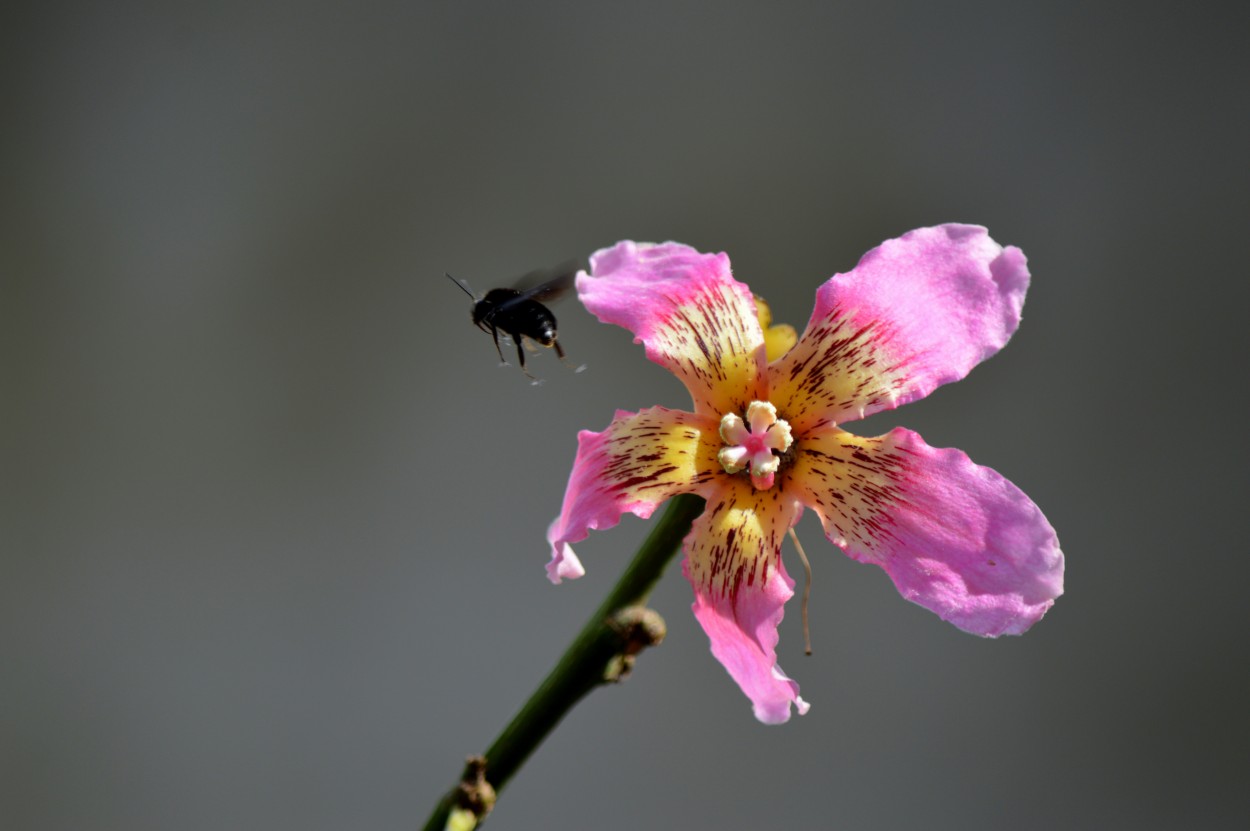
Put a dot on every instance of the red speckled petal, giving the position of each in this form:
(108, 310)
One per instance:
(641, 460)
(955, 537)
(733, 562)
(695, 319)
(916, 312)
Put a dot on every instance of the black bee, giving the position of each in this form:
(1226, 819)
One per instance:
(519, 312)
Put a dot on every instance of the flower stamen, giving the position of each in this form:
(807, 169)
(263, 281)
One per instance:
(807, 590)
(756, 443)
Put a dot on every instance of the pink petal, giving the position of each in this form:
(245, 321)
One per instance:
(696, 320)
(741, 587)
(564, 564)
(956, 538)
(641, 460)
(916, 312)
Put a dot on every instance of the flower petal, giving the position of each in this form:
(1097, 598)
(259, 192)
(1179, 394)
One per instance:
(779, 339)
(694, 317)
(956, 538)
(740, 585)
(916, 312)
(641, 460)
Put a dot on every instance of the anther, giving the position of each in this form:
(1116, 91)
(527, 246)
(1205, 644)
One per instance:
(756, 443)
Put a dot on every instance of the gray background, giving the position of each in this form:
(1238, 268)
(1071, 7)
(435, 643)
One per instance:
(272, 517)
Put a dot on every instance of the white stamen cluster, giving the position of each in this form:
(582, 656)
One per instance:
(752, 443)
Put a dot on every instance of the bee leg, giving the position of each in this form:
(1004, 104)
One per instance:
(495, 334)
(520, 354)
(555, 344)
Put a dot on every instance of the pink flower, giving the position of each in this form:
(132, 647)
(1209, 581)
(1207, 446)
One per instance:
(764, 440)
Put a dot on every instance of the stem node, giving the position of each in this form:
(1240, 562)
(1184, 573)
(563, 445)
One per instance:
(604, 651)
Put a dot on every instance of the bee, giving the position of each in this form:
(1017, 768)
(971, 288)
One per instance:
(519, 312)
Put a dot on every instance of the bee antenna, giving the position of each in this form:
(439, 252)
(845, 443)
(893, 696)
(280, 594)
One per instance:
(461, 285)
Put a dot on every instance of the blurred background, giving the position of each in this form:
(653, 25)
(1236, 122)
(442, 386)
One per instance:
(272, 517)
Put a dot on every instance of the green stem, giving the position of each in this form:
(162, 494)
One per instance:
(586, 664)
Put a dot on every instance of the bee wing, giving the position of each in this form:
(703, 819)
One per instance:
(551, 287)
